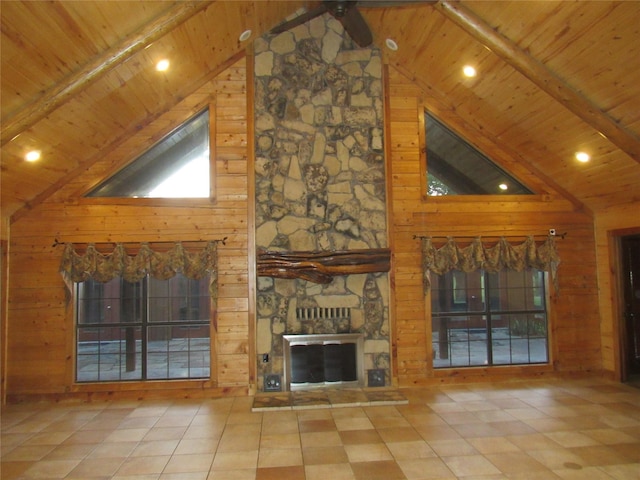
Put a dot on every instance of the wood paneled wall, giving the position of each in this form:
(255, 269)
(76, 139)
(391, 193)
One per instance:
(40, 322)
(574, 319)
(40, 325)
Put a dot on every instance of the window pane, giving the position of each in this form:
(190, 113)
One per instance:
(510, 329)
(519, 339)
(501, 345)
(108, 354)
(535, 281)
(199, 352)
(459, 341)
(176, 346)
(514, 291)
(178, 352)
(176, 167)
(158, 347)
(131, 302)
(457, 168)
(457, 291)
(179, 299)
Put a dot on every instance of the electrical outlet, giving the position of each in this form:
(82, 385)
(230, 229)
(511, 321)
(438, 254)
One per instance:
(376, 377)
(272, 383)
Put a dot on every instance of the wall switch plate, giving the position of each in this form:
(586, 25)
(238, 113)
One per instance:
(272, 383)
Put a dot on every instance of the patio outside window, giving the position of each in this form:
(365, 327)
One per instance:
(482, 318)
(147, 330)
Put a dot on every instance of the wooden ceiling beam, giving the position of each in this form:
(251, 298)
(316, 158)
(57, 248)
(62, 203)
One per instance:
(539, 74)
(92, 71)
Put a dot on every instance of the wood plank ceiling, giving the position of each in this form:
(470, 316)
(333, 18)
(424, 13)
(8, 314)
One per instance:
(554, 77)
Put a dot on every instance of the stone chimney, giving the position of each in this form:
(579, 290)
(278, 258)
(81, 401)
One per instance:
(320, 182)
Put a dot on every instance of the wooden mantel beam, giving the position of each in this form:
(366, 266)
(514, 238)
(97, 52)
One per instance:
(92, 71)
(539, 74)
(321, 267)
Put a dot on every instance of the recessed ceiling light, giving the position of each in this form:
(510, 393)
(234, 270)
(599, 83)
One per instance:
(391, 44)
(32, 156)
(162, 65)
(503, 186)
(469, 71)
(244, 35)
(582, 157)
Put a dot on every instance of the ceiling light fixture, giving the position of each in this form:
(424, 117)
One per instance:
(469, 71)
(583, 157)
(503, 187)
(245, 35)
(391, 44)
(162, 65)
(32, 156)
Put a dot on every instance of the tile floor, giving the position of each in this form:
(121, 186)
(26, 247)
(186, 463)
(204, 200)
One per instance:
(585, 429)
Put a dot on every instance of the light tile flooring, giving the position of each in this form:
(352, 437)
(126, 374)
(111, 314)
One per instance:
(585, 429)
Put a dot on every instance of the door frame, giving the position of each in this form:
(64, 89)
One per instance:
(619, 327)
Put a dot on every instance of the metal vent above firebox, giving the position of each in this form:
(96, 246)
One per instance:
(313, 313)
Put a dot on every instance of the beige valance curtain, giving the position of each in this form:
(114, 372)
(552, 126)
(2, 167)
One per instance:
(162, 265)
(500, 256)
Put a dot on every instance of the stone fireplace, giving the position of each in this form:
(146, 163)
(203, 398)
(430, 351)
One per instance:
(320, 192)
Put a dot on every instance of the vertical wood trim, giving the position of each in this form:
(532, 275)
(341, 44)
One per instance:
(213, 191)
(424, 194)
(213, 149)
(251, 220)
(213, 344)
(4, 275)
(393, 357)
(428, 331)
(70, 327)
(553, 347)
(617, 299)
(422, 144)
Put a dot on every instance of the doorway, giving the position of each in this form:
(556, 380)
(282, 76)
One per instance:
(630, 341)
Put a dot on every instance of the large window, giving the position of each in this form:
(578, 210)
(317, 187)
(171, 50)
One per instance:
(178, 166)
(455, 167)
(148, 330)
(482, 318)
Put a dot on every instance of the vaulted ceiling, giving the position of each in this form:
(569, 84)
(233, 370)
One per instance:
(554, 78)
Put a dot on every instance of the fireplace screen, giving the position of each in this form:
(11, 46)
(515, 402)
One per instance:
(323, 360)
(323, 363)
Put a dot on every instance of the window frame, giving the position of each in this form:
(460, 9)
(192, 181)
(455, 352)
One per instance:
(504, 159)
(487, 312)
(143, 325)
(140, 149)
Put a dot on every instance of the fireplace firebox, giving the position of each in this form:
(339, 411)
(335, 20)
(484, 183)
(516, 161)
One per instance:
(321, 360)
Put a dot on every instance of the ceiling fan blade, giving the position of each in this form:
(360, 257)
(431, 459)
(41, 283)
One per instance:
(300, 19)
(356, 26)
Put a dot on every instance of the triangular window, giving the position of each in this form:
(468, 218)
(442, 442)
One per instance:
(454, 167)
(175, 167)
